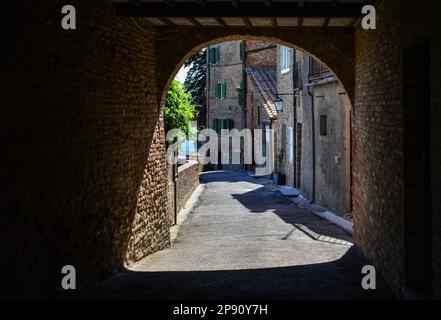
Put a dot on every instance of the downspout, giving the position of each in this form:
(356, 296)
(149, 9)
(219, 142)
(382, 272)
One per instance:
(207, 100)
(313, 142)
(175, 194)
(294, 129)
(244, 95)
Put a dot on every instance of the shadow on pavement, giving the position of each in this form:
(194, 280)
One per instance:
(340, 279)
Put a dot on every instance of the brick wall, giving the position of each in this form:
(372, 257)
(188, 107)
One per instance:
(377, 161)
(84, 146)
(186, 183)
(378, 135)
(260, 53)
(436, 142)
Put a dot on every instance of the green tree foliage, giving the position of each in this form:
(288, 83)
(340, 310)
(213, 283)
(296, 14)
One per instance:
(195, 82)
(179, 109)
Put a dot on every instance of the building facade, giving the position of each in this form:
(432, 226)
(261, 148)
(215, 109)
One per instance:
(313, 131)
(311, 142)
(224, 90)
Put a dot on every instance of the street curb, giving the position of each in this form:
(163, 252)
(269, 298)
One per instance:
(324, 213)
(183, 214)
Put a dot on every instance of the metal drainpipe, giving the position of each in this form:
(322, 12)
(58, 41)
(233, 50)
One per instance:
(207, 100)
(294, 129)
(313, 142)
(244, 94)
(175, 197)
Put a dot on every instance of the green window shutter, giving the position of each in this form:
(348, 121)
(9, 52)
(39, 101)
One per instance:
(225, 124)
(210, 55)
(241, 52)
(217, 54)
(219, 126)
(224, 91)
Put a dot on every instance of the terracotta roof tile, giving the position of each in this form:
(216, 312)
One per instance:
(266, 81)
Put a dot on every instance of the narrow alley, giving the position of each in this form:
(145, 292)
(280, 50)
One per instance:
(243, 239)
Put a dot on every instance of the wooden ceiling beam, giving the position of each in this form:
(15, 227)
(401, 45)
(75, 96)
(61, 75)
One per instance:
(194, 22)
(244, 9)
(247, 21)
(166, 21)
(273, 22)
(220, 21)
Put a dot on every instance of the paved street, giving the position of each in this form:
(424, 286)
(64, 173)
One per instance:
(243, 239)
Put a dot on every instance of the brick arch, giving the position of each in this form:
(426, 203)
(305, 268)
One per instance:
(334, 48)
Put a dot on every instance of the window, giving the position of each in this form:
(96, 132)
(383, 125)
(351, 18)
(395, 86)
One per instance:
(290, 145)
(241, 51)
(219, 124)
(220, 91)
(285, 59)
(323, 125)
(214, 55)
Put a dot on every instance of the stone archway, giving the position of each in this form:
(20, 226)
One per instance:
(334, 48)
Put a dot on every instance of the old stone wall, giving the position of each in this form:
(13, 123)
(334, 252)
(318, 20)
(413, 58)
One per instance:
(378, 185)
(83, 145)
(285, 119)
(82, 132)
(260, 53)
(436, 143)
(332, 147)
(377, 155)
(228, 71)
(186, 183)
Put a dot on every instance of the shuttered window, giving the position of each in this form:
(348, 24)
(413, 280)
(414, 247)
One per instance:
(217, 60)
(220, 91)
(219, 124)
(214, 55)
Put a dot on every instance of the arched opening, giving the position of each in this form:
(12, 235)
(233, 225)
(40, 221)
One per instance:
(328, 128)
(245, 78)
(85, 155)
